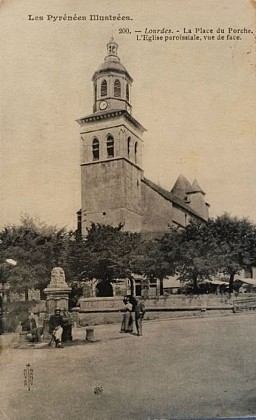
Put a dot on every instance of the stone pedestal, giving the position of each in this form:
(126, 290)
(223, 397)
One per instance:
(57, 295)
(57, 292)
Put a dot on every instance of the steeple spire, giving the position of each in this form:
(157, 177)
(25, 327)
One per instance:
(112, 48)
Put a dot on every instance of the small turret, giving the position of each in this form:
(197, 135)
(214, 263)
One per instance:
(196, 200)
(181, 187)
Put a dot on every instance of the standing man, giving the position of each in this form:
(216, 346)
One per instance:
(56, 327)
(139, 314)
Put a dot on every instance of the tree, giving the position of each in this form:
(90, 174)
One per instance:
(191, 252)
(226, 244)
(104, 254)
(147, 259)
(37, 248)
(236, 239)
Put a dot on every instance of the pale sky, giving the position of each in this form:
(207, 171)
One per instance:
(196, 98)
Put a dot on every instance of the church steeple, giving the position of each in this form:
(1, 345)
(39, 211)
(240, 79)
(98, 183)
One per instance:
(112, 83)
(111, 150)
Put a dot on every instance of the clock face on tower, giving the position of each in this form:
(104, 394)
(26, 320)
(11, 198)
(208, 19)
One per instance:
(103, 105)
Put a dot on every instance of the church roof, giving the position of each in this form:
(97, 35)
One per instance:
(178, 201)
(112, 62)
(196, 188)
(112, 66)
(181, 187)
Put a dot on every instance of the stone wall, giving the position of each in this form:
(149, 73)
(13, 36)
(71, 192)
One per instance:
(94, 311)
(173, 301)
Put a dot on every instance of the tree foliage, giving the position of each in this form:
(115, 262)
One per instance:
(203, 249)
(192, 252)
(104, 254)
(37, 248)
(236, 239)
(197, 252)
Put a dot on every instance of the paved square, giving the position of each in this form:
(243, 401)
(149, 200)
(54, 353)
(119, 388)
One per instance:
(179, 369)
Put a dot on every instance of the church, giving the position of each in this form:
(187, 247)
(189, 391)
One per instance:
(114, 189)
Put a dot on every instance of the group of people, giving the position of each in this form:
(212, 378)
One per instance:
(133, 311)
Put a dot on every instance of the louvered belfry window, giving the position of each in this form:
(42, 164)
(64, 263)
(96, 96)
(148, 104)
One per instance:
(104, 88)
(117, 89)
(96, 149)
(110, 146)
(127, 93)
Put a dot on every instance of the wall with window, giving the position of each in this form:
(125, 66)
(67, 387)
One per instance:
(181, 217)
(100, 145)
(112, 86)
(111, 142)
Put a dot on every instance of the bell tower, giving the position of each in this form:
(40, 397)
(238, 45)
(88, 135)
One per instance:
(111, 150)
(112, 83)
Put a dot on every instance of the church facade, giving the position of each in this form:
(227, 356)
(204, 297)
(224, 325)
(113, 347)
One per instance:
(114, 189)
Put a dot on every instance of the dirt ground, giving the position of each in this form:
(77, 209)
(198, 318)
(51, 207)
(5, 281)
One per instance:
(179, 369)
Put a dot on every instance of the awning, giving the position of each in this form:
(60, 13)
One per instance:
(252, 282)
(217, 282)
(171, 282)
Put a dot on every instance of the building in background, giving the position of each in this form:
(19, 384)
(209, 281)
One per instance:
(114, 189)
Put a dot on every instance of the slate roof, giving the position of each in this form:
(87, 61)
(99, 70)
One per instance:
(114, 66)
(181, 187)
(178, 201)
(196, 188)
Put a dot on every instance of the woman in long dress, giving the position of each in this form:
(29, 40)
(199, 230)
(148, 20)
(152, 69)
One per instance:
(127, 322)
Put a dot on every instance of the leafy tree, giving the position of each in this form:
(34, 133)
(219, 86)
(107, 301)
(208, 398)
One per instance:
(236, 240)
(104, 254)
(192, 252)
(147, 259)
(37, 248)
(226, 244)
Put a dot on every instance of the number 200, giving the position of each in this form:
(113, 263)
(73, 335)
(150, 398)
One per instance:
(124, 31)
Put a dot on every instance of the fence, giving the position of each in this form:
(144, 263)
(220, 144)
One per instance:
(244, 305)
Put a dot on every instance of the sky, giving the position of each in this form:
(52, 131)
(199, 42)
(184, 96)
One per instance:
(195, 98)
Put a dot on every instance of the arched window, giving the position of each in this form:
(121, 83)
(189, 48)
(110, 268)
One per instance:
(95, 149)
(104, 88)
(95, 92)
(135, 151)
(117, 89)
(128, 145)
(110, 146)
(127, 93)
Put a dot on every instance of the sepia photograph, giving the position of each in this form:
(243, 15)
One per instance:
(127, 217)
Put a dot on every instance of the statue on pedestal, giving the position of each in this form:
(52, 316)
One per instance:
(57, 296)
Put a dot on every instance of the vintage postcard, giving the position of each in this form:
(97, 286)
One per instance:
(138, 116)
